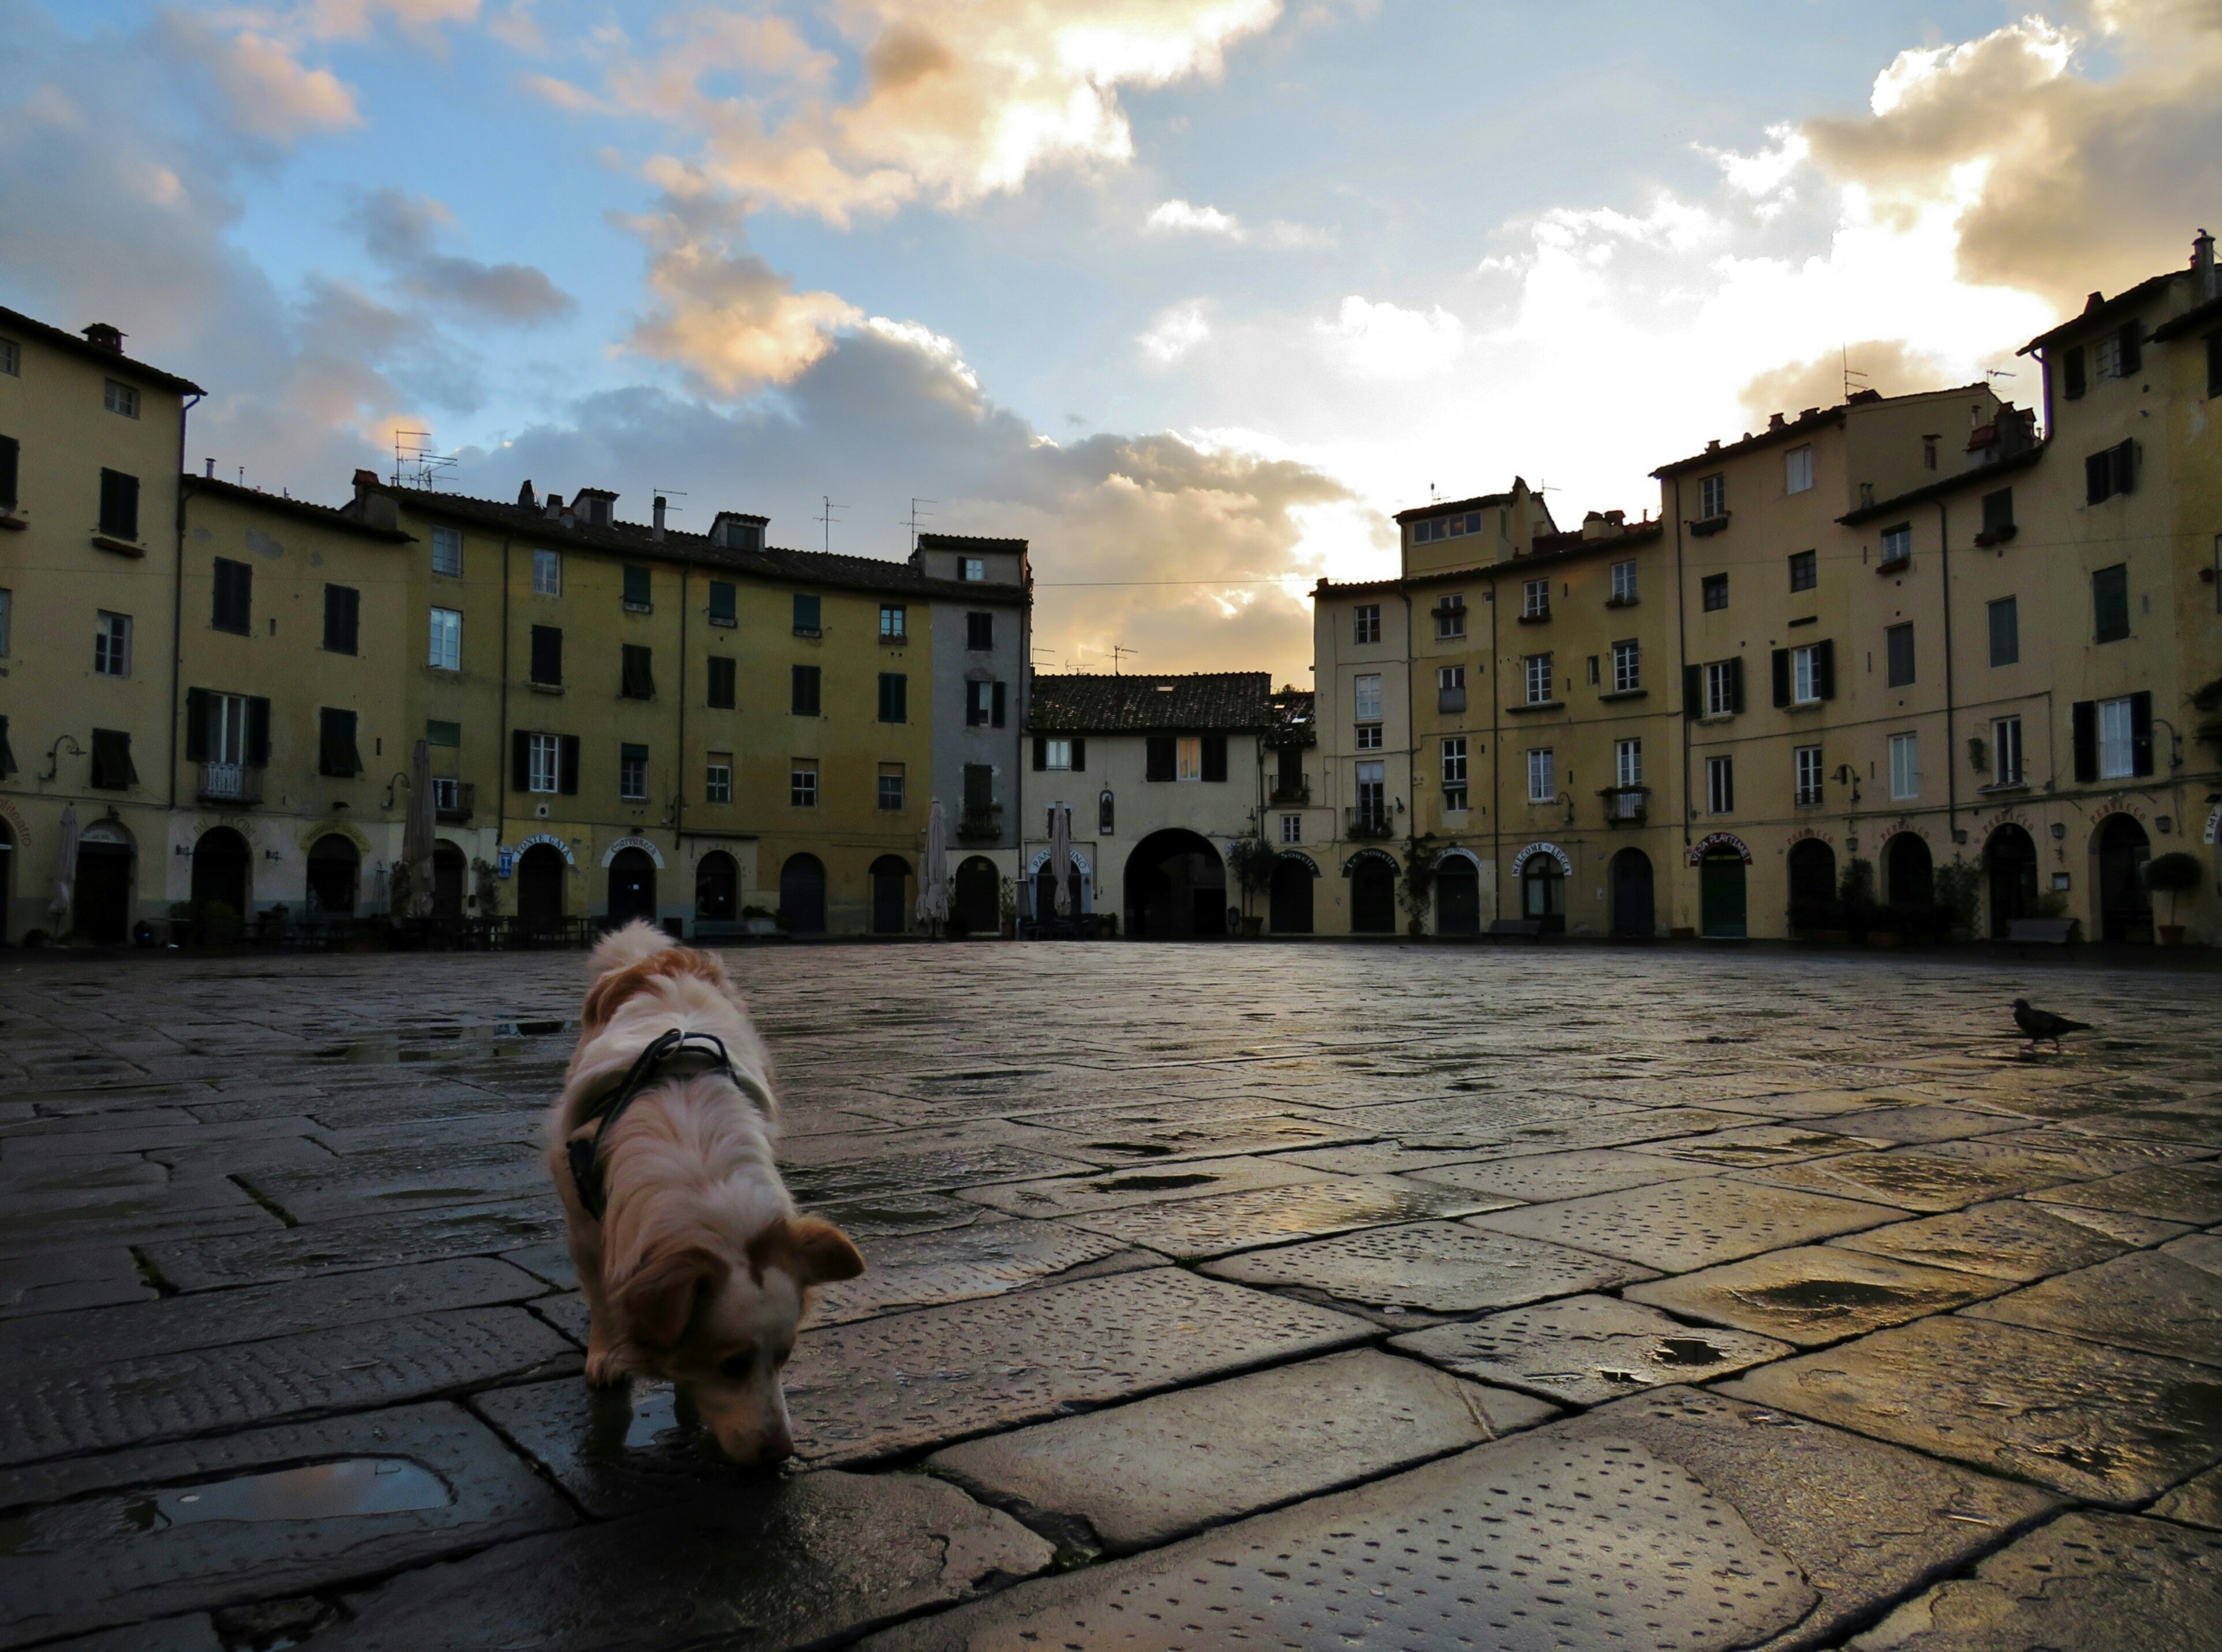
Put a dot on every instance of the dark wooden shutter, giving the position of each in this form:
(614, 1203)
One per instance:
(566, 764)
(234, 609)
(1041, 752)
(637, 672)
(2071, 372)
(721, 682)
(1157, 757)
(548, 654)
(1735, 684)
(2140, 734)
(343, 612)
(2214, 364)
(2084, 719)
(197, 724)
(1079, 756)
(520, 761)
(11, 459)
(1825, 667)
(2122, 467)
(637, 588)
(1214, 757)
(2133, 348)
(119, 505)
(723, 608)
(1693, 691)
(995, 717)
(2098, 478)
(1782, 676)
(7, 751)
(806, 691)
(258, 733)
(337, 753)
(111, 760)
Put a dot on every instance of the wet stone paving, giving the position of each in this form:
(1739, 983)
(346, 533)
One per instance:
(1334, 1297)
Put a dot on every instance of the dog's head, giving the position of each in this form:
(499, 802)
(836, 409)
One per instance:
(722, 1325)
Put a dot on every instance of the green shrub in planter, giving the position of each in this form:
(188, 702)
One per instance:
(2173, 874)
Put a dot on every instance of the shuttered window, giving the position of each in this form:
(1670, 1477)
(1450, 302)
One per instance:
(547, 655)
(343, 617)
(119, 505)
(233, 609)
(112, 770)
(1160, 751)
(636, 674)
(337, 755)
(895, 697)
(722, 676)
(11, 454)
(1897, 649)
(805, 687)
(2110, 604)
(724, 610)
(2005, 616)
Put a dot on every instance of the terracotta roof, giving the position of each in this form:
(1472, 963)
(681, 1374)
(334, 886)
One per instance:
(2199, 316)
(2098, 309)
(300, 509)
(77, 344)
(1090, 703)
(988, 541)
(1445, 507)
(1981, 475)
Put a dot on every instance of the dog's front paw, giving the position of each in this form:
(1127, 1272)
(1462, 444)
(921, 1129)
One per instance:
(606, 1368)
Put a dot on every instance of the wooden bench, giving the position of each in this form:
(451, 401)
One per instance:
(2041, 931)
(718, 932)
(1532, 927)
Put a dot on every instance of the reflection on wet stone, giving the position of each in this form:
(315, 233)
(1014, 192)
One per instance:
(1586, 1350)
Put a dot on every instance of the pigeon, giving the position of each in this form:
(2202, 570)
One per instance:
(2042, 1024)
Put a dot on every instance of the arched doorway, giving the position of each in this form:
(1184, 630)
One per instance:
(1812, 870)
(2010, 860)
(1458, 896)
(1045, 893)
(1372, 893)
(717, 888)
(978, 896)
(2124, 903)
(1175, 886)
(1291, 895)
(450, 879)
(1721, 895)
(1909, 873)
(106, 877)
(1633, 909)
(8, 858)
(540, 871)
(890, 884)
(633, 886)
(1543, 892)
(802, 894)
(334, 876)
(221, 860)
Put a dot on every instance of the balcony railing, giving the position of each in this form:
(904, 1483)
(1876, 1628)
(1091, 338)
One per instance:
(1626, 802)
(1292, 791)
(1450, 700)
(1365, 821)
(980, 824)
(452, 799)
(235, 783)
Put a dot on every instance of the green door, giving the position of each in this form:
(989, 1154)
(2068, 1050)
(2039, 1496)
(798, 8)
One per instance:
(1720, 894)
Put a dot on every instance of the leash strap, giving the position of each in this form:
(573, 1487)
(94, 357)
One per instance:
(585, 1154)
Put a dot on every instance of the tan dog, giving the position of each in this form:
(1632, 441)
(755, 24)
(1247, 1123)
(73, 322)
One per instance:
(694, 1265)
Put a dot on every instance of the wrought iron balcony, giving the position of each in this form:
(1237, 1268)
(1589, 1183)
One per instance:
(452, 799)
(1450, 700)
(1292, 791)
(980, 824)
(1626, 803)
(235, 783)
(1365, 821)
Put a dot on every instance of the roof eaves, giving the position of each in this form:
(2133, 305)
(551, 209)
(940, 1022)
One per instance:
(77, 344)
(2106, 310)
(1444, 508)
(322, 516)
(1977, 477)
(2199, 316)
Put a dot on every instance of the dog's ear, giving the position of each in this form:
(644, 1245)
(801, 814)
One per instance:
(810, 1251)
(660, 1295)
(604, 997)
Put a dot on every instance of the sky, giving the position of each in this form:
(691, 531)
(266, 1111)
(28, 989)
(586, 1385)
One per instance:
(1191, 294)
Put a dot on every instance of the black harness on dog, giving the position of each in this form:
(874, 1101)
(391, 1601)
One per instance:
(585, 1153)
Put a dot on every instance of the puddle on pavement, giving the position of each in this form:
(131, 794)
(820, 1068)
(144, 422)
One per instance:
(1152, 1183)
(1140, 1149)
(1824, 1296)
(349, 1487)
(1686, 1352)
(443, 1043)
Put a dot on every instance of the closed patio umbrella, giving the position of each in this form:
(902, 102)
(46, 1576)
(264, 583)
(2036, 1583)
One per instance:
(933, 882)
(416, 835)
(1060, 859)
(57, 906)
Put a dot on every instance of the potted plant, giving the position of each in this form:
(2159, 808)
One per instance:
(1415, 892)
(2173, 874)
(1959, 893)
(758, 920)
(1855, 893)
(1007, 908)
(1251, 860)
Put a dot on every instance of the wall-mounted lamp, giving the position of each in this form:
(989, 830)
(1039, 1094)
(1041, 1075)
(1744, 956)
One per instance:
(399, 779)
(2163, 823)
(54, 756)
(272, 854)
(2059, 829)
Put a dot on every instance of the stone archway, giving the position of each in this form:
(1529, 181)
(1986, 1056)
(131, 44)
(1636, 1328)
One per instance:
(450, 879)
(1812, 870)
(2125, 904)
(631, 887)
(2010, 866)
(976, 897)
(890, 877)
(1909, 873)
(1543, 891)
(221, 863)
(542, 872)
(1372, 874)
(717, 888)
(1175, 886)
(1635, 910)
(1457, 895)
(802, 894)
(1295, 882)
(334, 876)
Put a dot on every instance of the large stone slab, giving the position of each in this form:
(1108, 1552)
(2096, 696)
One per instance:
(1586, 1350)
(803, 1561)
(2013, 1240)
(1138, 1476)
(882, 1386)
(1946, 1175)
(1927, 1121)
(202, 1264)
(1538, 1178)
(428, 1174)
(1436, 1267)
(2094, 1582)
(45, 1413)
(163, 1530)
(2197, 1501)
(1863, 1522)
(2147, 1300)
(1111, 1189)
(58, 1281)
(2189, 1193)
(938, 1169)
(1528, 1542)
(1683, 1225)
(1753, 1145)
(2099, 1424)
(1813, 1294)
(1190, 1229)
(981, 1262)
(1134, 1141)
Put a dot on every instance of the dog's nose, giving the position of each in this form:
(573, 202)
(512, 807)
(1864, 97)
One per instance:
(778, 1445)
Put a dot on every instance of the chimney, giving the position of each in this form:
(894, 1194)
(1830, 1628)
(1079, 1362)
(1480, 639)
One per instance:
(106, 337)
(2202, 267)
(594, 507)
(208, 468)
(525, 499)
(554, 506)
(373, 506)
(1774, 421)
(657, 531)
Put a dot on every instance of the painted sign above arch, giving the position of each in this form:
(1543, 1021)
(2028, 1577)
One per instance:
(354, 834)
(618, 845)
(1448, 856)
(1521, 857)
(1080, 862)
(1364, 855)
(2214, 825)
(1301, 859)
(1714, 842)
(551, 840)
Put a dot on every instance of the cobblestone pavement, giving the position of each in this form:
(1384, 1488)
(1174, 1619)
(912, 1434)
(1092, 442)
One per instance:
(1350, 1296)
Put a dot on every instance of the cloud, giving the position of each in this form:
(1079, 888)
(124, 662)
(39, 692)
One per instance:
(1178, 330)
(264, 91)
(1890, 365)
(1383, 341)
(398, 229)
(1183, 218)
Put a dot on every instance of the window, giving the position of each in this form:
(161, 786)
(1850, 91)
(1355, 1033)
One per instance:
(635, 672)
(1158, 757)
(442, 733)
(1720, 785)
(448, 553)
(2117, 731)
(1450, 689)
(1897, 649)
(1292, 828)
(1189, 755)
(2214, 364)
(1535, 599)
(1627, 761)
(547, 656)
(1368, 737)
(228, 733)
(979, 633)
(718, 778)
(542, 762)
(1542, 776)
(1052, 751)
(973, 569)
(2071, 373)
(1713, 589)
(342, 619)
(979, 789)
(11, 455)
(802, 785)
(632, 773)
(7, 619)
(804, 701)
(2006, 751)
(112, 767)
(2113, 737)
(2006, 631)
(1998, 514)
(1804, 570)
(1450, 618)
(547, 573)
(722, 674)
(1446, 527)
(11, 358)
(1713, 496)
(337, 755)
(111, 645)
(1373, 793)
(1214, 757)
(1538, 670)
(2110, 604)
(983, 705)
(639, 591)
(1454, 773)
(1626, 666)
(1365, 697)
(1904, 766)
(1366, 623)
(1809, 675)
(1897, 545)
(1798, 470)
(2106, 473)
(891, 786)
(446, 652)
(895, 697)
(120, 398)
(724, 603)
(807, 617)
(1724, 687)
(1928, 452)
(119, 506)
(1808, 764)
(895, 621)
(2121, 353)
(233, 609)
(1623, 582)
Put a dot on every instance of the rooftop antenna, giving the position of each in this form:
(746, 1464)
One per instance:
(1117, 651)
(670, 492)
(1999, 373)
(828, 519)
(415, 464)
(1851, 373)
(911, 519)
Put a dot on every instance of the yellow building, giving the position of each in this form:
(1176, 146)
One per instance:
(89, 444)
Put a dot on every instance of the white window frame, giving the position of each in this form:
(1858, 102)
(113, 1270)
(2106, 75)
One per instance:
(626, 791)
(1450, 677)
(718, 778)
(227, 729)
(1712, 496)
(1904, 766)
(1627, 761)
(1535, 599)
(1542, 775)
(1057, 752)
(111, 645)
(120, 398)
(1805, 675)
(2106, 360)
(446, 640)
(901, 794)
(1627, 666)
(895, 622)
(803, 786)
(1372, 780)
(1808, 775)
(1798, 470)
(1720, 785)
(1365, 624)
(974, 570)
(1292, 828)
(1536, 668)
(1455, 776)
(448, 552)
(1365, 697)
(548, 573)
(11, 358)
(1367, 737)
(543, 762)
(1187, 757)
(1897, 543)
(2118, 758)
(1450, 625)
(2006, 757)
(1720, 688)
(1623, 582)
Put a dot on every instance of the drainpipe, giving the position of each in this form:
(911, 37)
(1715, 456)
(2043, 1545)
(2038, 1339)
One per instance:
(679, 795)
(1951, 746)
(502, 744)
(1496, 773)
(1411, 722)
(1682, 657)
(177, 599)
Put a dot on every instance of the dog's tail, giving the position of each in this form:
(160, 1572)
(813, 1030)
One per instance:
(622, 948)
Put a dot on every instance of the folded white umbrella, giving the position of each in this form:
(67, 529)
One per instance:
(934, 880)
(1060, 859)
(65, 870)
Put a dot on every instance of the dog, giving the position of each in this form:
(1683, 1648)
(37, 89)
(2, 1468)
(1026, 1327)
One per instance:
(694, 1265)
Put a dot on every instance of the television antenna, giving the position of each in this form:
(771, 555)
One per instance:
(1851, 373)
(826, 518)
(415, 463)
(910, 521)
(1117, 649)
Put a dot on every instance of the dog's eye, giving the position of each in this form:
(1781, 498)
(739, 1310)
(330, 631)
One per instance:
(736, 1364)
(781, 1359)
